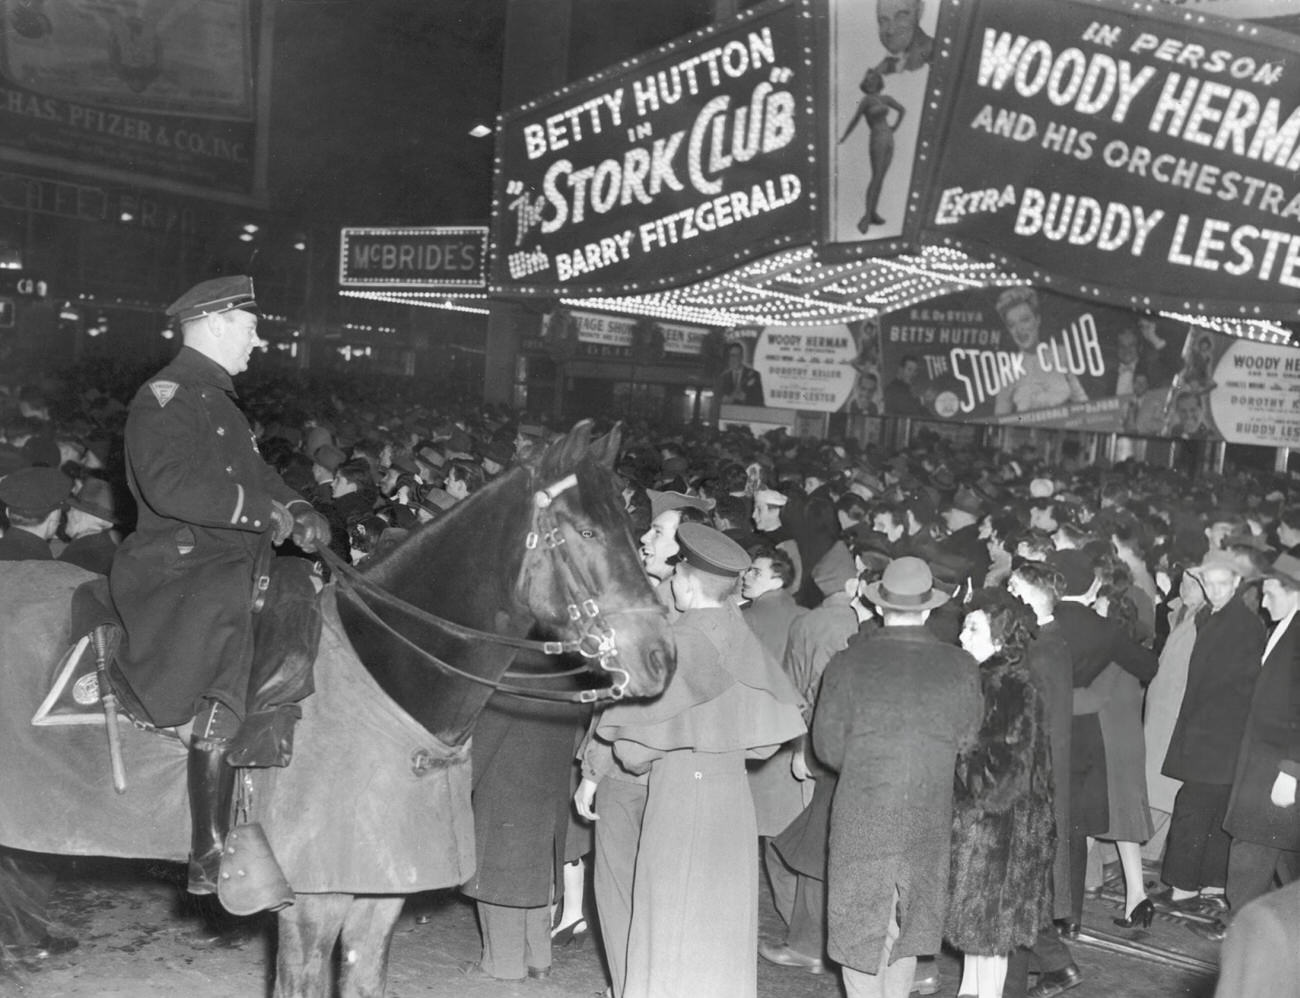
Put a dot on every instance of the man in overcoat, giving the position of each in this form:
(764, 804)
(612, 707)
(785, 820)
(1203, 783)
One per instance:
(187, 583)
(795, 860)
(1263, 818)
(893, 713)
(1221, 678)
(769, 613)
(522, 754)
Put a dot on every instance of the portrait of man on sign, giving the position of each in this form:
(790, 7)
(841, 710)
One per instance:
(738, 384)
(907, 43)
(881, 55)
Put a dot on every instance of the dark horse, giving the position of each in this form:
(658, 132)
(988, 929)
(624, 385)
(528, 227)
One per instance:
(488, 566)
(546, 547)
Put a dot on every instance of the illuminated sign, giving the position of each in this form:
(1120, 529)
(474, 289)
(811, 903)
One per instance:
(439, 257)
(1145, 155)
(671, 167)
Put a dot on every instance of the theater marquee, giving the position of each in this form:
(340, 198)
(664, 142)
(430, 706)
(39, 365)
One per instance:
(678, 165)
(1145, 154)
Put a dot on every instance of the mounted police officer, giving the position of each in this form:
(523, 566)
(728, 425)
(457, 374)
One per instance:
(217, 632)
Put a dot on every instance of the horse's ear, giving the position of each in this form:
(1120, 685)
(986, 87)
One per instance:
(605, 450)
(574, 446)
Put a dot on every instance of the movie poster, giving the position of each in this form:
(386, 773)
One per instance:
(1029, 357)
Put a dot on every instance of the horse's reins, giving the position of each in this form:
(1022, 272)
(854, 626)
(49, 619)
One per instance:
(596, 638)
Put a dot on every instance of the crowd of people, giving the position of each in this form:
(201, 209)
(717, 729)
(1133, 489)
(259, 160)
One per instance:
(936, 677)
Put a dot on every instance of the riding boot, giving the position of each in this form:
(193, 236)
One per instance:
(286, 638)
(212, 789)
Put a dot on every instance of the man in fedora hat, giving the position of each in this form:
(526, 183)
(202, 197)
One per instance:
(91, 527)
(196, 580)
(894, 710)
(1262, 813)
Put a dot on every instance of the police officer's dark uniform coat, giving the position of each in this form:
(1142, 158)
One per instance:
(183, 582)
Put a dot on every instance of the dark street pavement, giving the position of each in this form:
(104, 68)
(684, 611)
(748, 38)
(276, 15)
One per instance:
(142, 938)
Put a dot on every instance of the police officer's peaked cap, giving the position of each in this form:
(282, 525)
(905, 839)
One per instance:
(35, 491)
(221, 294)
(711, 550)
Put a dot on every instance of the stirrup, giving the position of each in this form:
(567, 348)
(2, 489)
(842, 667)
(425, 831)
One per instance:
(251, 879)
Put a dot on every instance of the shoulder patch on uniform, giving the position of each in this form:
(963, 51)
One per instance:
(163, 391)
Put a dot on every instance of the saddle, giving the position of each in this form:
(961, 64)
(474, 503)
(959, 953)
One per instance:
(287, 636)
(75, 695)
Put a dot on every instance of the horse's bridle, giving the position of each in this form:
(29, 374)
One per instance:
(596, 639)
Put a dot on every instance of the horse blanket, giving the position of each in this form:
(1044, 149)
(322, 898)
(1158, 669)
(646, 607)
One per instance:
(371, 804)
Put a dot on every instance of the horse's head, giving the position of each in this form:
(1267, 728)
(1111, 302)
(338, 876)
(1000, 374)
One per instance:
(581, 573)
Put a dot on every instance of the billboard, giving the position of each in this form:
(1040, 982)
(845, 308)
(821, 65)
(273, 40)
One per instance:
(1146, 155)
(435, 258)
(677, 165)
(806, 367)
(121, 89)
(572, 333)
(879, 54)
(1030, 357)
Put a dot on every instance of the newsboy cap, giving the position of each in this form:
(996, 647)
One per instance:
(221, 294)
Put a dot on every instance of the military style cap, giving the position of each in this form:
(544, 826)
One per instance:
(662, 502)
(42, 451)
(221, 294)
(36, 491)
(711, 550)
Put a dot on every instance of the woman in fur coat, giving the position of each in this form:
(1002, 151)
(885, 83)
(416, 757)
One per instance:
(1004, 830)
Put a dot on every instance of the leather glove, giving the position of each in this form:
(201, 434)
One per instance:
(310, 529)
(281, 522)
(1283, 793)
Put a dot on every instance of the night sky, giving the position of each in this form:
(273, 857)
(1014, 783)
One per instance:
(372, 101)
